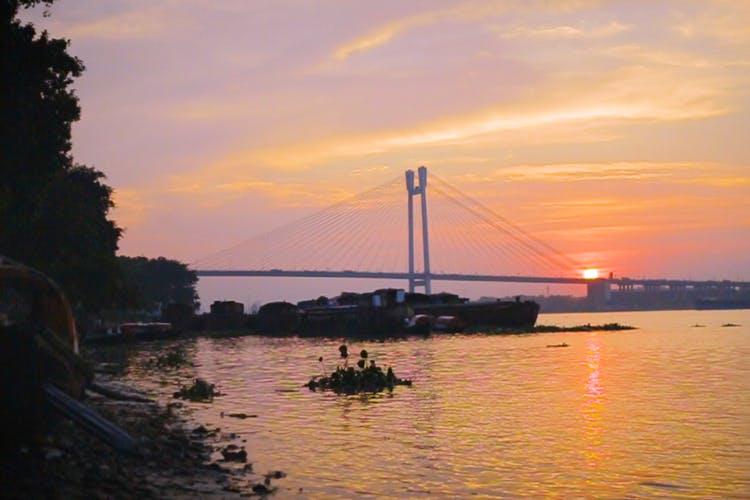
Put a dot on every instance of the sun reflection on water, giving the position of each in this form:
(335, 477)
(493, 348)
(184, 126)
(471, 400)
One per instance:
(593, 403)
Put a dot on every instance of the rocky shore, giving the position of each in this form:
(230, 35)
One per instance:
(173, 460)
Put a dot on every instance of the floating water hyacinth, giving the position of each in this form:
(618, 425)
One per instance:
(368, 378)
(201, 391)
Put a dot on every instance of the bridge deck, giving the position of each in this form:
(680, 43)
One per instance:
(472, 277)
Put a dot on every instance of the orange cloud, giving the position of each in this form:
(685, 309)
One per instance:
(563, 31)
(131, 207)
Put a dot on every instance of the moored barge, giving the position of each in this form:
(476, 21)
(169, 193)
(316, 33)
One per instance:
(391, 313)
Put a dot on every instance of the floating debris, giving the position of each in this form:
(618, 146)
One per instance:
(667, 486)
(204, 432)
(348, 380)
(558, 345)
(262, 490)
(241, 416)
(200, 392)
(730, 325)
(698, 326)
(234, 453)
(277, 474)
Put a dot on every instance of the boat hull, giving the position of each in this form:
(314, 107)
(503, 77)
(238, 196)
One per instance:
(501, 314)
(355, 322)
(136, 332)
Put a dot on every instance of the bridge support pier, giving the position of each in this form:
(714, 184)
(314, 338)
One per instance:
(421, 190)
(598, 292)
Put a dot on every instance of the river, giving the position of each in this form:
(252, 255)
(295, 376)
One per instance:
(662, 411)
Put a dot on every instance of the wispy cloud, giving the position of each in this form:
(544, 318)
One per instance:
(378, 169)
(383, 34)
(628, 97)
(723, 21)
(650, 56)
(584, 172)
(706, 174)
(482, 11)
(131, 207)
(212, 190)
(563, 31)
(144, 23)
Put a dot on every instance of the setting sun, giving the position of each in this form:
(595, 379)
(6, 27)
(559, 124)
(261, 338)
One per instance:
(590, 274)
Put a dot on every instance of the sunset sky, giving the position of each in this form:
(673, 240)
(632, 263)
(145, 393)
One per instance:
(615, 131)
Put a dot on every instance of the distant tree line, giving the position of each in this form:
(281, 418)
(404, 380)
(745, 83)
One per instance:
(54, 212)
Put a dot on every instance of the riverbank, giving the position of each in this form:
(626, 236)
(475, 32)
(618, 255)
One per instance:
(173, 460)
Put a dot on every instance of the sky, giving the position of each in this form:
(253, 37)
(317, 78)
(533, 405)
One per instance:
(614, 131)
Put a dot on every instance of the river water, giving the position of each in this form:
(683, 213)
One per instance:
(658, 412)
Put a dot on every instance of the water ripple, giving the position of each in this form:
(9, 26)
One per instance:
(659, 411)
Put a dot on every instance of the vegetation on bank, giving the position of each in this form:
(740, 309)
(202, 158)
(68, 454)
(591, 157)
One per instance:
(54, 212)
(173, 358)
(148, 283)
(588, 327)
(366, 378)
(479, 329)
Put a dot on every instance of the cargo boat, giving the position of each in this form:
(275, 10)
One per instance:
(391, 313)
(382, 313)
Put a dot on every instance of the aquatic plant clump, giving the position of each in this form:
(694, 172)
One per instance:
(366, 378)
(549, 329)
(588, 327)
(201, 392)
(175, 358)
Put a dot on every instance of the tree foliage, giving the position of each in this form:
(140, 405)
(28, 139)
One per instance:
(53, 211)
(149, 282)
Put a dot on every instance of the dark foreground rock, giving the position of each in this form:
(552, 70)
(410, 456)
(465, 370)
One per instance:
(69, 463)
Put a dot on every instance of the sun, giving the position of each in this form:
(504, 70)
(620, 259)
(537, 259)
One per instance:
(590, 274)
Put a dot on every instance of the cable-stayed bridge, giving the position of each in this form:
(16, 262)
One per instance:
(417, 238)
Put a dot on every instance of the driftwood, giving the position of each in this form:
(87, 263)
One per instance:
(90, 421)
(117, 395)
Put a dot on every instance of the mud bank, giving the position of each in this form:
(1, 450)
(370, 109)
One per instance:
(173, 461)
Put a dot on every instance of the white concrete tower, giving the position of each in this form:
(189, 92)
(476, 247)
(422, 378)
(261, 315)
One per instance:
(421, 190)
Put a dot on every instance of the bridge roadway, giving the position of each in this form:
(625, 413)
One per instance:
(620, 282)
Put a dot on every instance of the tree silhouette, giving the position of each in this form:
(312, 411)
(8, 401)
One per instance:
(53, 211)
(148, 282)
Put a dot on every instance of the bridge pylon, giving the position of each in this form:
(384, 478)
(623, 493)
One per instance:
(418, 279)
